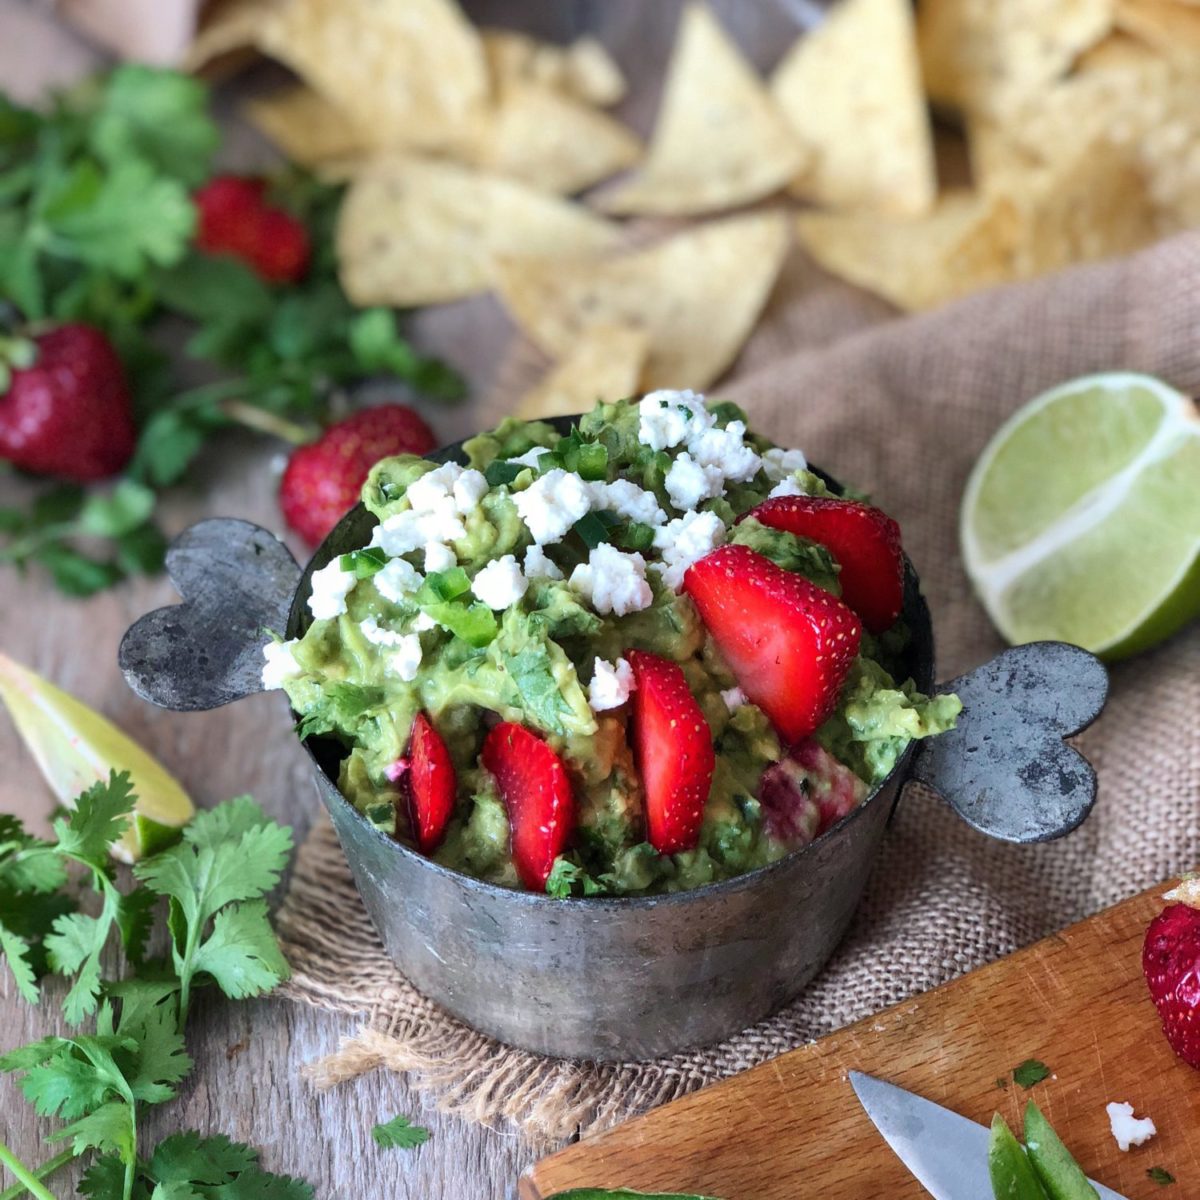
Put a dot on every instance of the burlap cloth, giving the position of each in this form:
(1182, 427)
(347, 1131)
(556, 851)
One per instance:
(901, 407)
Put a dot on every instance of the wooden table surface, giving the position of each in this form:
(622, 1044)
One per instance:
(246, 1083)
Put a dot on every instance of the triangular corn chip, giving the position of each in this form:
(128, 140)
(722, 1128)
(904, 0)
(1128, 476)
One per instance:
(419, 231)
(412, 72)
(306, 127)
(719, 142)
(584, 69)
(76, 747)
(696, 296)
(553, 142)
(851, 90)
(606, 364)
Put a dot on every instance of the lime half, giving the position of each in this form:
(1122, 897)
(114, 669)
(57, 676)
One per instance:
(1081, 519)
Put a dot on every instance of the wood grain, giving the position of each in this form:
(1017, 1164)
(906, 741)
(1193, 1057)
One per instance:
(793, 1127)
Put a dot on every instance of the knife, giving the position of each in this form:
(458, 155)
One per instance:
(947, 1153)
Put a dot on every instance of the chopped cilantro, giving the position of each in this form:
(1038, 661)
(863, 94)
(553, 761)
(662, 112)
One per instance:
(533, 676)
(1029, 1072)
(1160, 1175)
(399, 1134)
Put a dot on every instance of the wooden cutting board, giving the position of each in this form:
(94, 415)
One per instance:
(792, 1128)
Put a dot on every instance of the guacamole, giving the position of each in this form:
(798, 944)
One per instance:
(512, 590)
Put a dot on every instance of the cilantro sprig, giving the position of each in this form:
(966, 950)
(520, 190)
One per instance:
(218, 932)
(97, 224)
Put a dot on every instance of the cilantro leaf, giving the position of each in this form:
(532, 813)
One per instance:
(192, 1159)
(101, 816)
(135, 919)
(157, 116)
(241, 953)
(17, 954)
(339, 708)
(533, 676)
(1030, 1072)
(257, 1184)
(107, 1128)
(399, 1134)
(1160, 1175)
(127, 507)
(119, 222)
(104, 1179)
(161, 1060)
(376, 344)
(74, 948)
(225, 822)
(564, 875)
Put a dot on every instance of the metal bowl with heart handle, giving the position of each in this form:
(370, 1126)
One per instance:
(620, 978)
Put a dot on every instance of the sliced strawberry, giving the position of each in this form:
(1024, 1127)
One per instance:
(536, 792)
(864, 540)
(674, 750)
(432, 785)
(788, 642)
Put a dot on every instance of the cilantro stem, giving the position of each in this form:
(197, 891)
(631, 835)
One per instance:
(47, 1168)
(262, 421)
(28, 1178)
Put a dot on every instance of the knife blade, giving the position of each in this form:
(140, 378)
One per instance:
(947, 1153)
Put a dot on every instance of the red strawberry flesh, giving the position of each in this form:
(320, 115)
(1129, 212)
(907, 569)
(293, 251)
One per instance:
(1171, 964)
(865, 542)
(673, 747)
(536, 791)
(69, 413)
(323, 479)
(789, 643)
(431, 785)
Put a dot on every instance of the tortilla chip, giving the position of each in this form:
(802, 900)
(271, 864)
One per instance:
(965, 244)
(988, 56)
(1172, 28)
(306, 127)
(551, 141)
(225, 28)
(696, 296)
(418, 231)
(851, 90)
(410, 71)
(605, 364)
(583, 69)
(719, 141)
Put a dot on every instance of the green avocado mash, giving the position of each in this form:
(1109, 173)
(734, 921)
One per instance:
(483, 596)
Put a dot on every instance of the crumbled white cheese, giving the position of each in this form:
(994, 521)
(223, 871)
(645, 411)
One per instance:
(439, 558)
(552, 504)
(1128, 1129)
(787, 487)
(726, 450)
(406, 659)
(538, 565)
(629, 501)
(406, 531)
(734, 698)
(666, 418)
(469, 489)
(500, 583)
(688, 483)
(423, 621)
(530, 457)
(397, 580)
(330, 587)
(613, 581)
(434, 488)
(777, 463)
(280, 664)
(611, 684)
(377, 635)
(682, 541)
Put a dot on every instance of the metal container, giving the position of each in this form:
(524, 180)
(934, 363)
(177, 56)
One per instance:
(624, 978)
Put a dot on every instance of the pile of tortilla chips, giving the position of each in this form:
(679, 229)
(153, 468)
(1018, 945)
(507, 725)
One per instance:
(465, 152)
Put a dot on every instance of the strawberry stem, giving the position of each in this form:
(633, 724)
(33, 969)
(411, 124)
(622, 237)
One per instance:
(267, 422)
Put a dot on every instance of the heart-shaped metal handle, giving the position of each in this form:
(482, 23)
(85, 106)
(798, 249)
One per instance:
(1006, 769)
(237, 581)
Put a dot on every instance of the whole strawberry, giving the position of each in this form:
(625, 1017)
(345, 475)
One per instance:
(66, 410)
(1171, 964)
(234, 218)
(323, 479)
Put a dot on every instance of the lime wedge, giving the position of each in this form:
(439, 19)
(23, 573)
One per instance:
(75, 746)
(1081, 519)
